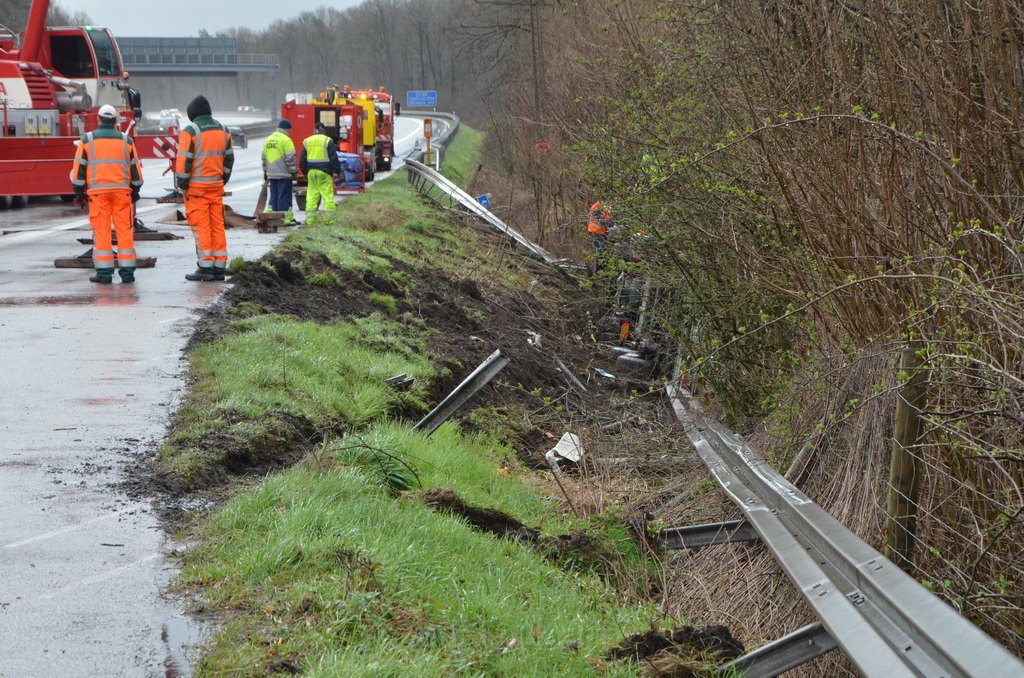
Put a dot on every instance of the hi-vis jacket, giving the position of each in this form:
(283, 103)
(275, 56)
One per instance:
(205, 157)
(279, 161)
(106, 162)
(600, 219)
(319, 152)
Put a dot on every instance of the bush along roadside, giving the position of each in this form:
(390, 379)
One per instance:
(374, 549)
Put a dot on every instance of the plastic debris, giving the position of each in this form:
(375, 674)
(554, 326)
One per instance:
(568, 449)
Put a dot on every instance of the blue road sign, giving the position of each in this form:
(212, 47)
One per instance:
(421, 98)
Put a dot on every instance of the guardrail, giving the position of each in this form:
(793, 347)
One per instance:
(439, 142)
(423, 178)
(881, 618)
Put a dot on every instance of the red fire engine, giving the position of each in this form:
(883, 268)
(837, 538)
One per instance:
(387, 109)
(51, 87)
(343, 123)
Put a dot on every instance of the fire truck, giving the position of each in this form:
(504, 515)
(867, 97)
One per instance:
(51, 87)
(344, 123)
(385, 109)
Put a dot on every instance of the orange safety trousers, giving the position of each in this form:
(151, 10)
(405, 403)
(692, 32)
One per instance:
(115, 206)
(204, 208)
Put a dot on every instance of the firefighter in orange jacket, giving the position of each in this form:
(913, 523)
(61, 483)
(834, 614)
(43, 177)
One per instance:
(599, 226)
(201, 170)
(108, 171)
(600, 220)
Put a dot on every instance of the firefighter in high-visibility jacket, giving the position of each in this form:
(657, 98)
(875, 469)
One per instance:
(201, 170)
(319, 162)
(280, 169)
(107, 170)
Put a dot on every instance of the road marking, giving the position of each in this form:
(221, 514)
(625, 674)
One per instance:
(65, 530)
(417, 131)
(174, 320)
(85, 581)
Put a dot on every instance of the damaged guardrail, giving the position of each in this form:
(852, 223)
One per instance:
(479, 378)
(881, 618)
(420, 175)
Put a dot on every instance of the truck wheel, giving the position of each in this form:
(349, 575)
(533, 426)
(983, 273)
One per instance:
(370, 171)
(5, 201)
(19, 201)
(300, 201)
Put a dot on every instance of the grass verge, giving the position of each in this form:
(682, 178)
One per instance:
(336, 565)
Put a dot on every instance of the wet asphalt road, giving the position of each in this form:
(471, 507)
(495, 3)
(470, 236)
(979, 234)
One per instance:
(90, 377)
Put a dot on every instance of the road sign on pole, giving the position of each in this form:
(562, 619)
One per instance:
(428, 131)
(421, 98)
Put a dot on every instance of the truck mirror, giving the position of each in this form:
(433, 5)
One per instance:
(398, 109)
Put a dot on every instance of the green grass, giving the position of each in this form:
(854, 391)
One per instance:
(329, 376)
(327, 568)
(338, 577)
(389, 221)
(461, 158)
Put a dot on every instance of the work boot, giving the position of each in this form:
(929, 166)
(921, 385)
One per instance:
(218, 274)
(127, 274)
(202, 275)
(104, 277)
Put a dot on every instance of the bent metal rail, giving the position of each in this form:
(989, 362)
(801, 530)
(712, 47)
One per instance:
(883, 620)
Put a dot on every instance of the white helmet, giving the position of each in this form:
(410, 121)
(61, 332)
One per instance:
(108, 112)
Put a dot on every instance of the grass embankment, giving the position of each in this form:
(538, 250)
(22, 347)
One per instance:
(327, 568)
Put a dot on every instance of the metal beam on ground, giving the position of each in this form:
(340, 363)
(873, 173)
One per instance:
(695, 537)
(784, 654)
(479, 378)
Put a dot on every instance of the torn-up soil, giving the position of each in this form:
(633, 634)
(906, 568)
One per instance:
(681, 652)
(580, 549)
(472, 314)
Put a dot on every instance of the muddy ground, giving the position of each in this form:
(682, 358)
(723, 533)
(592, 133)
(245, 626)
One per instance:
(633, 444)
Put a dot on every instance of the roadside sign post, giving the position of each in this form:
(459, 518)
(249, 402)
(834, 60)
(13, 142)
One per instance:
(428, 131)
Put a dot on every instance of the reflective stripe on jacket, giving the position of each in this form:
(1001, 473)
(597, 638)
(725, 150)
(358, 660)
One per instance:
(205, 156)
(279, 160)
(106, 161)
(319, 152)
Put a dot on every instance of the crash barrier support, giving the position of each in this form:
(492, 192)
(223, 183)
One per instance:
(886, 622)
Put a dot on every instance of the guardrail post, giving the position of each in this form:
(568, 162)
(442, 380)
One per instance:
(905, 467)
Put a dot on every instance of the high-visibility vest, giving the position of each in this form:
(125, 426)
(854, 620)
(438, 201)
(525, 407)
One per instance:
(106, 161)
(317, 157)
(205, 156)
(279, 156)
(598, 219)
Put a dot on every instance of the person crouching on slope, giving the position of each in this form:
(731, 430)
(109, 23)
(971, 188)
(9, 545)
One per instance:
(201, 170)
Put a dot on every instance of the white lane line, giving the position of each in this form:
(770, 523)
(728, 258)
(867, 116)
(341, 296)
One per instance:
(85, 581)
(415, 132)
(65, 530)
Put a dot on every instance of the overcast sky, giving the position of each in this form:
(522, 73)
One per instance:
(183, 18)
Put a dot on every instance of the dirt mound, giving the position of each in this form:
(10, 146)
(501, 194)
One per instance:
(681, 652)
